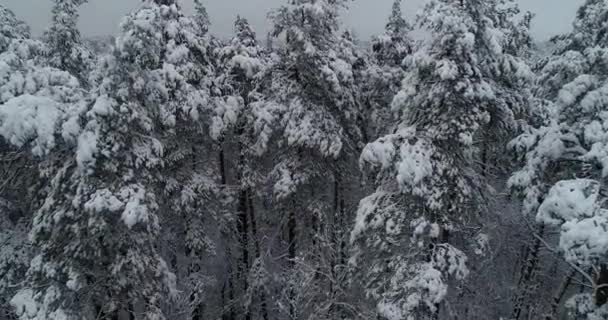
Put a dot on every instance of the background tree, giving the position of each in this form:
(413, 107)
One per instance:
(66, 51)
(394, 45)
(384, 71)
(12, 28)
(560, 180)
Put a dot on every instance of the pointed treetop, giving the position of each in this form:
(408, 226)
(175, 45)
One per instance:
(71, 2)
(394, 45)
(66, 51)
(12, 28)
(308, 23)
(590, 23)
(243, 30)
(396, 23)
(201, 17)
(163, 2)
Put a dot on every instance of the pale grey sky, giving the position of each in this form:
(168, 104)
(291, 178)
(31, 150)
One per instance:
(366, 17)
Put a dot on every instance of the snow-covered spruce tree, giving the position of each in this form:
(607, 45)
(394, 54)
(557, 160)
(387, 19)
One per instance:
(36, 105)
(562, 179)
(506, 33)
(11, 28)
(241, 61)
(306, 114)
(14, 256)
(569, 59)
(360, 63)
(98, 229)
(395, 44)
(383, 74)
(196, 200)
(65, 49)
(201, 17)
(414, 233)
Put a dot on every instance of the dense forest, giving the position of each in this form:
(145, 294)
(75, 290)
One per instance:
(448, 169)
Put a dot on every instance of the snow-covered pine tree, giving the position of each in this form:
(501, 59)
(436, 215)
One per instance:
(360, 62)
(242, 61)
(383, 74)
(414, 233)
(395, 44)
(98, 229)
(65, 48)
(201, 17)
(11, 28)
(564, 159)
(38, 105)
(196, 205)
(382, 77)
(306, 104)
(512, 75)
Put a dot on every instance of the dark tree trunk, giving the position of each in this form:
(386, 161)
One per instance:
(291, 255)
(256, 243)
(484, 158)
(243, 229)
(228, 290)
(601, 294)
(528, 273)
(231, 314)
(559, 295)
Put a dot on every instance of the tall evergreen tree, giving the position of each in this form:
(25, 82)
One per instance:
(241, 61)
(11, 28)
(310, 117)
(394, 45)
(35, 100)
(561, 181)
(382, 77)
(411, 235)
(66, 51)
(201, 17)
(102, 216)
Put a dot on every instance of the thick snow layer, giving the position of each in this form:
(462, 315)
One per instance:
(415, 164)
(568, 200)
(103, 201)
(226, 115)
(135, 209)
(30, 119)
(248, 64)
(37, 306)
(86, 150)
(585, 241)
(309, 126)
(574, 205)
(380, 152)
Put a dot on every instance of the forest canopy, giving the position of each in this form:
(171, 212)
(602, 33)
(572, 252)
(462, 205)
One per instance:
(164, 172)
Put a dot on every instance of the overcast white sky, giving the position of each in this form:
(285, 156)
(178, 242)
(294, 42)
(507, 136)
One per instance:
(366, 17)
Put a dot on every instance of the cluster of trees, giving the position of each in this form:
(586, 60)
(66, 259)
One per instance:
(181, 176)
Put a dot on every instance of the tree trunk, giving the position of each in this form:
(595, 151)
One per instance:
(291, 255)
(601, 294)
(228, 289)
(256, 243)
(528, 273)
(559, 295)
(484, 158)
(231, 312)
(243, 229)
